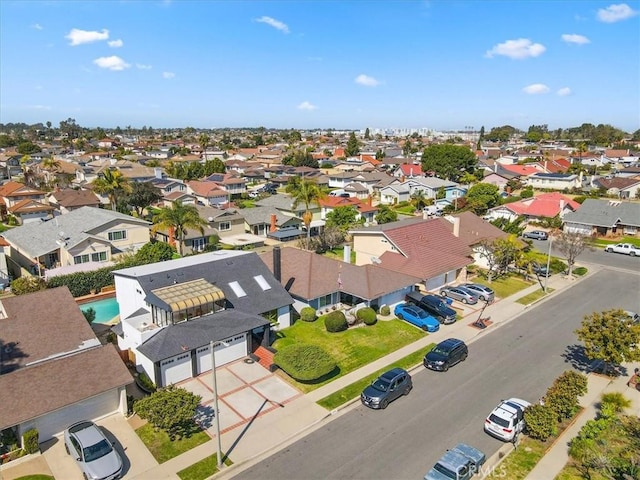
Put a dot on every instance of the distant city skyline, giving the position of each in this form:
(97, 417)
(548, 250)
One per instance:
(347, 65)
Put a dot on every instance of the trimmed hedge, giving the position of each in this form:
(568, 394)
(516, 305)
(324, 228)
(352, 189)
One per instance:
(84, 283)
(30, 441)
(385, 310)
(304, 362)
(367, 315)
(541, 421)
(308, 314)
(336, 321)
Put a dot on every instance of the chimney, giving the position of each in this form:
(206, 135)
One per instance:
(157, 172)
(456, 226)
(277, 263)
(495, 167)
(346, 254)
(561, 206)
(272, 227)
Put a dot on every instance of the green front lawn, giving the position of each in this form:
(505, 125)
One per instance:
(351, 349)
(521, 461)
(37, 476)
(351, 391)
(533, 296)
(163, 448)
(600, 242)
(504, 286)
(205, 468)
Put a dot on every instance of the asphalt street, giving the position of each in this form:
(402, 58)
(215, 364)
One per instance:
(521, 358)
(595, 256)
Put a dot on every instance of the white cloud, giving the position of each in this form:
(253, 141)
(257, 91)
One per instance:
(616, 13)
(563, 92)
(37, 26)
(575, 38)
(78, 37)
(40, 107)
(115, 43)
(141, 66)
(111, 63)
(307, 106)
(168, 75)
(536, 89)
(517, 49)
(277, 24)
(366, 80)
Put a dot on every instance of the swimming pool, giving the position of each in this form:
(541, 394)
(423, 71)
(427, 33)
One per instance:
(106, 309)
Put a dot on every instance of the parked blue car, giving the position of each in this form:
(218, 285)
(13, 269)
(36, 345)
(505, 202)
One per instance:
(416, 316)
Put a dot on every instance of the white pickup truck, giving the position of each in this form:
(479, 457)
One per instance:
(625, 248)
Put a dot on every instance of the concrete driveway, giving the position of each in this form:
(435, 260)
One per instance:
(135, 456)
(245, 391)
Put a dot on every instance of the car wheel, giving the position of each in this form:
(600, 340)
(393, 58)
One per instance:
(424, 327)
(84, 475)
(384, 404)
(407, 390)
(445, 367)
(66, 447)
(444, 294)
(399, 315)
(633, 254)
(465, 301)
(464, 357)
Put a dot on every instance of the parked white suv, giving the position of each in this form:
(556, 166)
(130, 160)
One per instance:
(506, 421)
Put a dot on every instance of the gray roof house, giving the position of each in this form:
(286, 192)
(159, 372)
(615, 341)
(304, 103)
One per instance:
(83, 239)
(171, 311)
(605, 218)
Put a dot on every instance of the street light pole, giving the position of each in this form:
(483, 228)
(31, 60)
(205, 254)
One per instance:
(546, 278)
(216, 411)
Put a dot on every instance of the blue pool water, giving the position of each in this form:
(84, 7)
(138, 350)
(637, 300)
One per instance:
(105, 309)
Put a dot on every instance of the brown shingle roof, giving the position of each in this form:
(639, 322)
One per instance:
(76, 198)
(474, 229)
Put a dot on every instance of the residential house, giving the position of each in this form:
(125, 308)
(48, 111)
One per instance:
(605, 218)
(429, 186)
(231, 182)
(621, 187)
(171, 312)
(208, 193)
(555, 181)
(632, 171)
(10, 165)
(408, 170)
(427, 249)
(264, 220)
(287, 214)
(53, 370)
(543, 206)
(325, 282)
(83, 239)
(365, 210)
(25, 203)
(72, 199)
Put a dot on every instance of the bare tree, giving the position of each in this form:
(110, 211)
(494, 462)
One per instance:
(488, 251)
(571, 245)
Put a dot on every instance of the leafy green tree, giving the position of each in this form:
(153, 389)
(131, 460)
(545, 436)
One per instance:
(204, 141)
(213, 165)
(27, 148)
(562, 396)
(177, 218)
(304, 191)
(328, 239)
(527, 192)
(571, 245)
(482, 196)
(367, 134)
(507, 251)
(89, 314)
(24, 285)
(514, 227)
(610, 337)
(6, 141)
(153, 252)
(501, 134)
(386, 215)
(171, 409)
(113, 184)
(142, 195)
(343, 217)
(449, 162)
(353, 147)
(419, 200)
(300, 158)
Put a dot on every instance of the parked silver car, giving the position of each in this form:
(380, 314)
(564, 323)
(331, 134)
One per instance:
(93, 452)
(460, 293)
(483, 292)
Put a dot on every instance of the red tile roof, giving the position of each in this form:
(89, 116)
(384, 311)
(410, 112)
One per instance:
(522, 170)
(545, 205)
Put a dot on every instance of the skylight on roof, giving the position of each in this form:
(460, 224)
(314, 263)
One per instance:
(237, 289)
(262, 282)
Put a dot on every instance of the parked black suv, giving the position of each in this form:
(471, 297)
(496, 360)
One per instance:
(446, 354)
(435, 305)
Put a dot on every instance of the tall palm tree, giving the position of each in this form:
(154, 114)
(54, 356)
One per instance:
(113, 184)
(178, 218)
(305, 191)
(50, 165)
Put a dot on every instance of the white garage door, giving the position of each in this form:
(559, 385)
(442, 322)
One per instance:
(89, 409)
(203, 357)
(436, 282)
(176, 369)
(236, 347)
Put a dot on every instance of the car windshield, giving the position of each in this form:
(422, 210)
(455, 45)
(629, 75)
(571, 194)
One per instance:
(421, 314)
(97, 451)
(440, 350)
(438, 467)
(498, 420)
(381, 384)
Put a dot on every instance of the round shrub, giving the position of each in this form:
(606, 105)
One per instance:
(385, 310)
(367, 315)
(336, 321)
(304, 362)
(541, 421)
(308, 314)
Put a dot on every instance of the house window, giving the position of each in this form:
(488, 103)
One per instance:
(198, 244)
(118, 235)
(99, 257)
(224, 226)
(80, 259)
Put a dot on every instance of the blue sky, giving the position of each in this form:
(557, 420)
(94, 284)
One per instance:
(442, 65)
